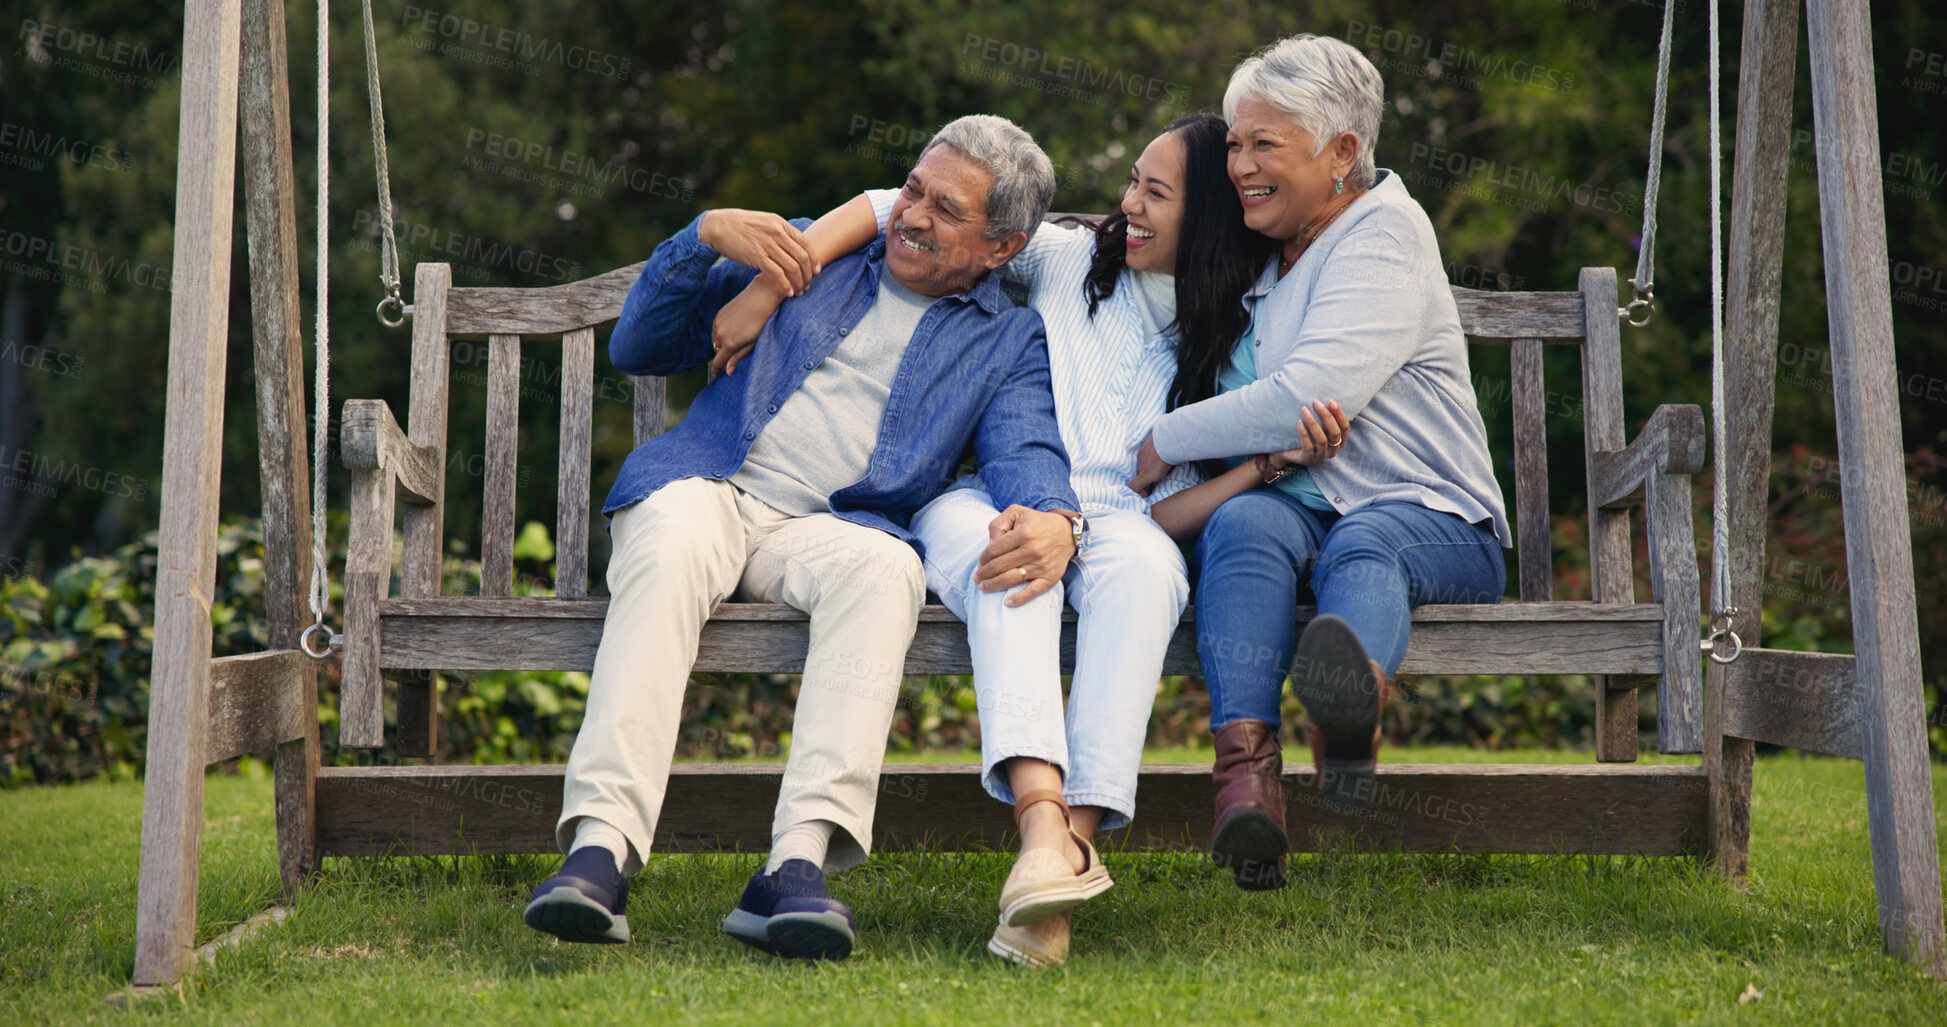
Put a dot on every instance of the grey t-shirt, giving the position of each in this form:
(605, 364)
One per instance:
(822, 438)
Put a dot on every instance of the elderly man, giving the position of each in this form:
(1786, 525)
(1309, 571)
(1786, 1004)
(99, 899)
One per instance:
(793, 480)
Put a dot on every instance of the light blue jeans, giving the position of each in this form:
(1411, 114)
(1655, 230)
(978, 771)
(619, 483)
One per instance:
(1128, 588)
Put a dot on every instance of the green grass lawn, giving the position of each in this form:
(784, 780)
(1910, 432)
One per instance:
(1379, 939)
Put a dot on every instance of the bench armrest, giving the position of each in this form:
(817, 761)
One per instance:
(1655, 470)
(372, 441)
(386, 466)
(1672, 442)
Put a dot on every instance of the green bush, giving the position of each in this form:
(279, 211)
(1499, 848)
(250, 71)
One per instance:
(75, 650)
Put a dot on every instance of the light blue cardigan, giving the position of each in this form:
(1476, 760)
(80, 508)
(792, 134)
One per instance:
(1365, 318)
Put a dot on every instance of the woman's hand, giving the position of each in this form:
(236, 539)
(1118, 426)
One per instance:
(1320, 436)
(761, 240)
(1150, 467)
(736, 328)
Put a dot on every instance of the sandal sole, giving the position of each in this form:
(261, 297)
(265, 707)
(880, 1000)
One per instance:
(1039, 905)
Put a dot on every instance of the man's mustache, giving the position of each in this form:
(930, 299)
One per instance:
(921, 239)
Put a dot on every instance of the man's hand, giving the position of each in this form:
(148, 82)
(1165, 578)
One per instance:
(735, 332)
(1150, 468)
(1028, 549)
(761, 240)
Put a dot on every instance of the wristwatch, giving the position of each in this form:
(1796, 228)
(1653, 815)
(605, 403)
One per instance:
(1269, 473)
(1077, 522)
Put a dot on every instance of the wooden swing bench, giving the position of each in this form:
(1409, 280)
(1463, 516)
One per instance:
(1867, 707)
(1605, 808)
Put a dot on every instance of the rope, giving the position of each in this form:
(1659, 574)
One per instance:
(388, 245)
(1723, 613)
(321, 413)
(1646, 253)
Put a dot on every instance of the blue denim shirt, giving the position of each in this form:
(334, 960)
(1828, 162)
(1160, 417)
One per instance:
(976, 371)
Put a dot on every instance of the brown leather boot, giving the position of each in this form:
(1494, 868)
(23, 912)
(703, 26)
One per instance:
(1344, 692)
(1250, 835)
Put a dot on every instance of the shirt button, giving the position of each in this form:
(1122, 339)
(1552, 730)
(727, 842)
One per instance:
(807, 365)
(1338, 499)
(773, 408)
(716, 474)
(844, 331)
(750, 435)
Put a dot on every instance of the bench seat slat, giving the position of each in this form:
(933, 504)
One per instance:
(596, 608)
(456, 633)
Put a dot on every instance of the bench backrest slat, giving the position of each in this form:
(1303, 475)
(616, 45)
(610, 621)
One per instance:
(650, 395)
(577, 432)
(503, 431)
(1532, 552)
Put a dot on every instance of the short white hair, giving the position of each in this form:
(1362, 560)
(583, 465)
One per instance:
(1325, 84)
(1024, 178)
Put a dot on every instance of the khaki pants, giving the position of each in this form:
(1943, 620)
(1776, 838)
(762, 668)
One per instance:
(679, 553)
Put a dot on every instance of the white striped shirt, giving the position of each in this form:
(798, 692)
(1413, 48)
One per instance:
(1111, 377)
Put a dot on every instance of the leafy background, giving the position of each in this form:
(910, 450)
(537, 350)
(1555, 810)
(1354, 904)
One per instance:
(795, 108)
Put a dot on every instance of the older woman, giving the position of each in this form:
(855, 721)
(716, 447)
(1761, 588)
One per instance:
(1355, 307)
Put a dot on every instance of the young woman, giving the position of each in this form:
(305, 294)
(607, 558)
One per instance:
(1155, 284)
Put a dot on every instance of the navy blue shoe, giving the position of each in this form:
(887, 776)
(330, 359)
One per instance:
(788, 914)
(584, 901)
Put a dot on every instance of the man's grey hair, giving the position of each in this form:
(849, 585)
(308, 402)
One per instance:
(1024, 177)
(1324, 84)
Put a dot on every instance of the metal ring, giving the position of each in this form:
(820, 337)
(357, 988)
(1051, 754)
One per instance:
(396, 303)
(1710, 645)
(1643, 300)
(1025, 576)
(333, 641)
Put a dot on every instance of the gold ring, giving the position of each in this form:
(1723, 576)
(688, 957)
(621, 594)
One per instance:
(1024, 575)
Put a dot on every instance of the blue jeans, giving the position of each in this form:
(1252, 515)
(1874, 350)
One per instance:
(1370, 567)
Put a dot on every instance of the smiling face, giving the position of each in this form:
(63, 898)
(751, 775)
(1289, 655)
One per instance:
(935, 236)
(1153, 201)
(1281, 182)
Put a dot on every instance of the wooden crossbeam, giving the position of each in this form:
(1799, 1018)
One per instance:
(1806, 701)
(258, 701)
(1516, 808)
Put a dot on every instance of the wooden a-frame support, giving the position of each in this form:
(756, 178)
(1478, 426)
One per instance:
(1866, 707)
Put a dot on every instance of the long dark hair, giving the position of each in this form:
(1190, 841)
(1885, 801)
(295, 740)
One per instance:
(1217, 259)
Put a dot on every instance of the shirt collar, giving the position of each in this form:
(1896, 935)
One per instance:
(985, 293)
(1267, 280)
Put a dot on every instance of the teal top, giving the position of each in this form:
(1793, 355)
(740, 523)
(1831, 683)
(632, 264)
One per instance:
(1241, 370)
